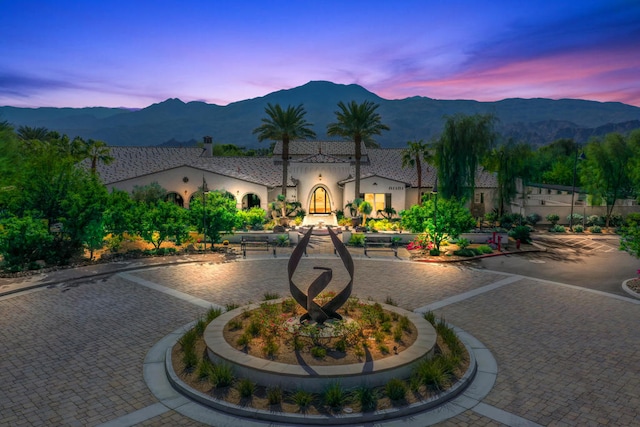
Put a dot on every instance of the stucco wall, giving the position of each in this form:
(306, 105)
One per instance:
(376, 184)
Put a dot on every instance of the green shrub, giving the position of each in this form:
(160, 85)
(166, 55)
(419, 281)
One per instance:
(222, 375)
(468, 252)
(595, 229)
(212, 313)
(463, 243)
(553, 219)
(434, 252)
(274, 395)
(205, 369)
(246, 387)
(485, 249)
(200, 326)
(595, 220)
(521, 232)
(189, 358)
(556, 228)
(578, 228)
(244, 339)
(334, 396)
(356, 239)
(431, 374)
(188, 340)
(577, 218)
(283, 240)
(302, 398)
(318, 352)
(396, 389)
(533, 219)
(366, 397)
(270, 348)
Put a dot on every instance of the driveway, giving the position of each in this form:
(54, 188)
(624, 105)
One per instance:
(72, 354)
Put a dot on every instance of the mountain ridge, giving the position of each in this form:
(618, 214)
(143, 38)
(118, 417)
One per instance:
(536, 121)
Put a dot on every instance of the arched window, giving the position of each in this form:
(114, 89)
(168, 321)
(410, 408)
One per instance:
(320, 203)
(175, 198)
(250, 200)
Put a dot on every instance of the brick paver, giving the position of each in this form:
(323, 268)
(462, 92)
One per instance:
(73, 355)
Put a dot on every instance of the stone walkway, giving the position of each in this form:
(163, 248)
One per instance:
(72, 352)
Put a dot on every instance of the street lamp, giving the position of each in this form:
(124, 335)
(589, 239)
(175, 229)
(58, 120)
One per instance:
(435, 210)
(573, 189)
(205, 190)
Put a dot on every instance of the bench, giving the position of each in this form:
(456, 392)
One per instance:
(256, 244)
(380, 242)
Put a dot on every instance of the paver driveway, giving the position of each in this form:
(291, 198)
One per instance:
(72, 355)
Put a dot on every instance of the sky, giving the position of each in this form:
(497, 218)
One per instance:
(133, 53)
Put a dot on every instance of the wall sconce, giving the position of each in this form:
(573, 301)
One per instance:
(319, 177)
(185, 192)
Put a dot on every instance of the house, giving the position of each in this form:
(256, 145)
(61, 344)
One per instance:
(321, 176)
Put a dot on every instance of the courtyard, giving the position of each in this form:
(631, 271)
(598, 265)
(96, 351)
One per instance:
(73, 351)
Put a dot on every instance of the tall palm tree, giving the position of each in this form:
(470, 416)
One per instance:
(97, 151)
(412, 156)
(358, 122)
(284, 125)
(28, 133)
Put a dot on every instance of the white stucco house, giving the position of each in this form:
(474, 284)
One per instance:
(321, 176)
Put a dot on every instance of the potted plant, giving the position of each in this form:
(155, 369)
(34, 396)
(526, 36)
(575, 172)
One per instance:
(353, 211)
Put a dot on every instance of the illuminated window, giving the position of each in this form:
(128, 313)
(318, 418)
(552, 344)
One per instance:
(378, 200)
(319, 202)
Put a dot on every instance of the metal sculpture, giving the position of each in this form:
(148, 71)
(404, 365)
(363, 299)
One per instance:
(315, 312)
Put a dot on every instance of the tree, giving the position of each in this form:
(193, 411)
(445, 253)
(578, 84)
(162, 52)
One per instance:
(23, 241)
(365, 209)
(464, 142)
(150, 193)
(28, 133)
(607, 172)
(96, 151)
(284, 125)
(413, 155)
(630, 235)
(162, 220)
(359, 122)
(220, 214)
(510, 161)
(449, 220)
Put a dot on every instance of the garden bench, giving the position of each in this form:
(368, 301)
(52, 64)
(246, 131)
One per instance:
(256, 244)
(380, 242)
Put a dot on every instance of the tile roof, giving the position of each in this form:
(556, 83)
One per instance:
(308, 148)
(131, 162)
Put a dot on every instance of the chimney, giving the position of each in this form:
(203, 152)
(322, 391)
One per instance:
(208, 146)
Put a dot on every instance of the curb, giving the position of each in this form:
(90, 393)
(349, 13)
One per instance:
(444, 260)
(460, 397)
(628, 290)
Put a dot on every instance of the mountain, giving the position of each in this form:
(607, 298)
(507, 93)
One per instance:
(536, 121)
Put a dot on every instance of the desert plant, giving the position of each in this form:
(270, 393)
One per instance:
(463, 243)
(244, 340)
(189, 358)
(430, 317)
(334, 395)
(366, 397)
(214, 312)
(595, 229)
(365, 209)
(485, 249)
(270, 348)
(522, 233)
(188, 340)
(356, 239)
(553, 219)
(557, 228)
(431, 374)
(205, 369)
(200, 326)
(578, 228)
(318, 352)
(533, 219)
(222, 375)
(302, 398)
(246, 387)
(396, 389)
(282, 240)
(271, 296)
(274, 395)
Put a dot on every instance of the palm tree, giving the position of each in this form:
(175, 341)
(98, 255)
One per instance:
(358, 122)
(284, 125)
(97, 151)
(27, 133)
(412, 156)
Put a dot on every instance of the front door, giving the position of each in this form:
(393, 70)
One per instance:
(320, 203)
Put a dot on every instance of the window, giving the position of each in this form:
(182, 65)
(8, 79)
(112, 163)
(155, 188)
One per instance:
(379, 201)
(319, 202)
(479, 197)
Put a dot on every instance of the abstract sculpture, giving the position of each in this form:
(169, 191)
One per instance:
(316, 312)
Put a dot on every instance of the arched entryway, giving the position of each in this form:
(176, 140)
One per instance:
(175, 198)
(250, 200)
(319, 202)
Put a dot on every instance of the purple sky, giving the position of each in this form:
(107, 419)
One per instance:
(132, 53)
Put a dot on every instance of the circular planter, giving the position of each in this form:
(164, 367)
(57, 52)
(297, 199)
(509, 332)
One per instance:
(371, 373)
